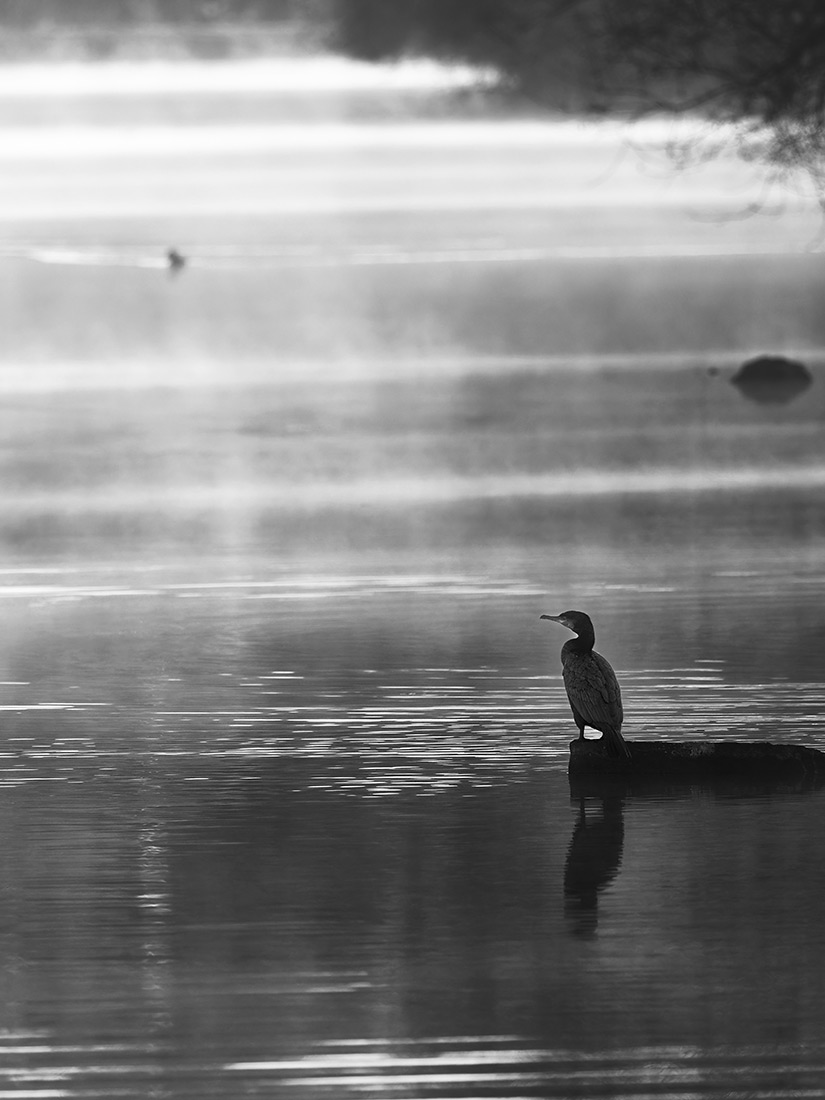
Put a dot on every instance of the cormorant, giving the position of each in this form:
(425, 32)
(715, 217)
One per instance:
(591, 683)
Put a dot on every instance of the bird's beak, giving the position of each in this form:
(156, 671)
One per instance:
(555, 619)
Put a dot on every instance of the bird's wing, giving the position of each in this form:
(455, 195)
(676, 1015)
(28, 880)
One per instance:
(593, 690)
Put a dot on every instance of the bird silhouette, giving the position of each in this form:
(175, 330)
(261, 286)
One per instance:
(591, 684)
(175, 261)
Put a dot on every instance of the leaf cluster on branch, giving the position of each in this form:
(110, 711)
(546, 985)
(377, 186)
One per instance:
(756, 64)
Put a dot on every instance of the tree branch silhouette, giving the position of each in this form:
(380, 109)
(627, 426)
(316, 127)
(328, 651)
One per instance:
(757, 66)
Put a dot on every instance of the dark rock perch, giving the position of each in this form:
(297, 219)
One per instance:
(689, 761)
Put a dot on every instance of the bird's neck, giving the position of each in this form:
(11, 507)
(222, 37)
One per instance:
(582, 643)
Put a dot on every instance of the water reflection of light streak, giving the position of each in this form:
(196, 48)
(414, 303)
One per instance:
(394, 492)
(222, 259)
(373, 1066)
(664, 1071)
(59, 375)
(317, 587)
(178, 141)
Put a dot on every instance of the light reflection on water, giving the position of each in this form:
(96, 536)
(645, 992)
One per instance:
(328, 846)
(287, 940)
(215, 679)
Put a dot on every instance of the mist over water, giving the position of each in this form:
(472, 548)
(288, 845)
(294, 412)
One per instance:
(284, 742)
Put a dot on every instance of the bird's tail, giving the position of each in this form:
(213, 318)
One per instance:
(615, 744)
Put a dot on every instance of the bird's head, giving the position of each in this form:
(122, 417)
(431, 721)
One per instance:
(576, 621)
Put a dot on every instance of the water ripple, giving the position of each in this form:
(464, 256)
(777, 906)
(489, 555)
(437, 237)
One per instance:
(436, 1067)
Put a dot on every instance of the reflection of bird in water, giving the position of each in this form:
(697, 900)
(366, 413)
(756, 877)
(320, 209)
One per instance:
(593, 861)
(175, 260)
(591, 683)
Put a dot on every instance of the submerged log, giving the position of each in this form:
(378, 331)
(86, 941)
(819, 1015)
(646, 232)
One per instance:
(692, 760)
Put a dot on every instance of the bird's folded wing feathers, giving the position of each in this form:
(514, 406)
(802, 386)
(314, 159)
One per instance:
(596, 691)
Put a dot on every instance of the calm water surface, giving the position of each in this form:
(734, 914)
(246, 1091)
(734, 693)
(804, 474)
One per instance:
(313, 835)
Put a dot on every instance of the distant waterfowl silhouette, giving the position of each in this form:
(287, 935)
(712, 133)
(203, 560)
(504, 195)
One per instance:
(591, 684)
(175, 260)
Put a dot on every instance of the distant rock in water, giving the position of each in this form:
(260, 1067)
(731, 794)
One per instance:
(772, 379)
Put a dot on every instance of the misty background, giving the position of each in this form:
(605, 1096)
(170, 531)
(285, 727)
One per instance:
(339, 342)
